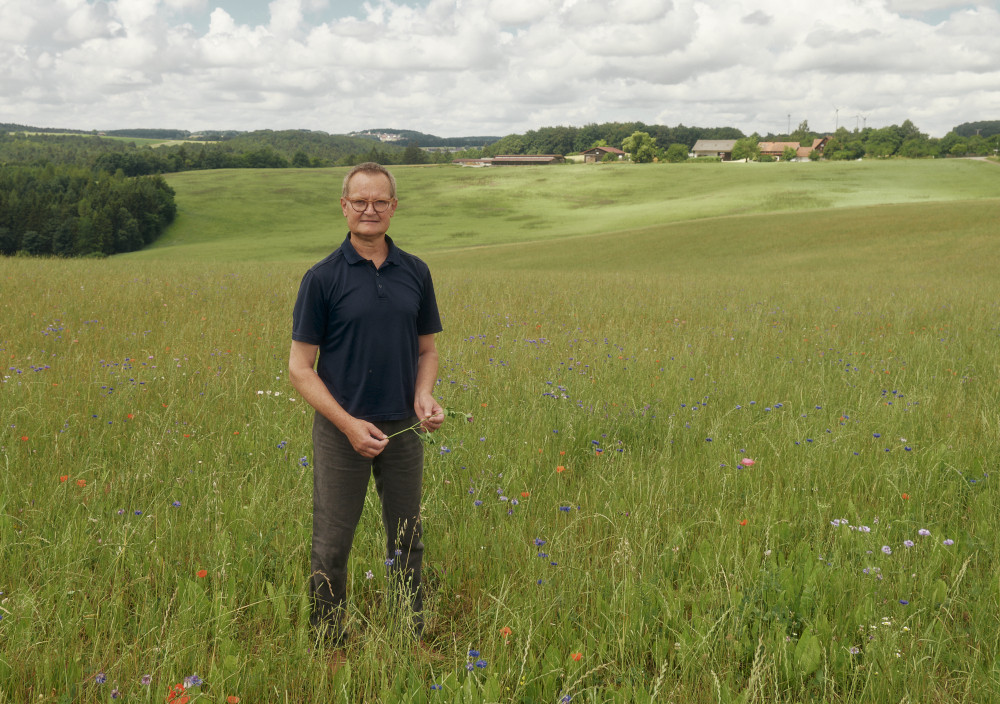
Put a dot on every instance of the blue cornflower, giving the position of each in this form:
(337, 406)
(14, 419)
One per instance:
(904, 602)
(543, 554)
(477, 502)
(468, 666)
(101, 678)
(436, 687)
(138, 513)
(176, 504)
(876, 435)
(539, 542)
(473, 653)
(192, 681)
(389, 562)
(481, 664)
(304, 461)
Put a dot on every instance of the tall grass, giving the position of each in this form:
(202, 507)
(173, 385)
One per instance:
(691, 445)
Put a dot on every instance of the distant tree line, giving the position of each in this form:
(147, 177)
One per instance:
(76, 211)
(310, 149)
(408, 138)
(573, 140)
(905, 140)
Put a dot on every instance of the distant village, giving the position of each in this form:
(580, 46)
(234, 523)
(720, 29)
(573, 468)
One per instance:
(721, 149)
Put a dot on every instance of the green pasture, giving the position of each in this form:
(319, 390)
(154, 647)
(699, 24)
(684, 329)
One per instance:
(291, 214)
(733, 438)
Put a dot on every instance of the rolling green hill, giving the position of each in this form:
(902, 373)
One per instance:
(291, 214)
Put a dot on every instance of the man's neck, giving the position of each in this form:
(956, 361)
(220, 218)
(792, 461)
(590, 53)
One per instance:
(376, 249)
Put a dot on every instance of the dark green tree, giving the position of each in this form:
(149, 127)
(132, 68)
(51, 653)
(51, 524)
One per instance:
(414, 155)
(641, 147)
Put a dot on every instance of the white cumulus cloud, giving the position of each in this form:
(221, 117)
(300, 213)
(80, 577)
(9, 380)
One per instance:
(456, 67)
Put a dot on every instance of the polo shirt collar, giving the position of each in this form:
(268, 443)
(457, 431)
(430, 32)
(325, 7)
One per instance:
(352, 256)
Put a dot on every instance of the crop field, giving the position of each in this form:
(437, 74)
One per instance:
(733, 437)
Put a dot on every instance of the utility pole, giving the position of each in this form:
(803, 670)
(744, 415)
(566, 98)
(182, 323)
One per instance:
(789, 132)
(836, 119)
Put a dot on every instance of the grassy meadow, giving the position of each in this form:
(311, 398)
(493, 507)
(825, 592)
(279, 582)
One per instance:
(733, 435)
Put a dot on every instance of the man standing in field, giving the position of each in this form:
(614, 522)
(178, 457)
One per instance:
(368, 312)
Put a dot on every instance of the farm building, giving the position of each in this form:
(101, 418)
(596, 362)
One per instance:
(527, 159)
(513, 160)
(720, 148)
(777, 149)
(598, 153)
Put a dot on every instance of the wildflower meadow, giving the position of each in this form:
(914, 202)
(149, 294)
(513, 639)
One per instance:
(741, 456)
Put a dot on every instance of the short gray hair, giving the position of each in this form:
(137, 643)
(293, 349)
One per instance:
(370, 167)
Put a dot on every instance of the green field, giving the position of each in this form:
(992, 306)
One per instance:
(289, 214)
(747, 412)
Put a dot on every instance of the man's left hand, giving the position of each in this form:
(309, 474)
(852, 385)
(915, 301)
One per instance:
(429, 412)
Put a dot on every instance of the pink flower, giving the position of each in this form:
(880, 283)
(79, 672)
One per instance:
(747, 462)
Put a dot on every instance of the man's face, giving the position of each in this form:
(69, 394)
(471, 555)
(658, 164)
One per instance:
(368, 187)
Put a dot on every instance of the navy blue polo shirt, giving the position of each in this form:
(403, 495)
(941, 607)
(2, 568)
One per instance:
(366, 322)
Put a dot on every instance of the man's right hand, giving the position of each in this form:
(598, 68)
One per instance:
(367, 440)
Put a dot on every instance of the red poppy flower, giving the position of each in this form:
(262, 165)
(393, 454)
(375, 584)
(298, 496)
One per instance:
(81, 482)
(576, 656)
(505, 631)
(202, 573)
(560, 469)
(743, 522)
(525, 494)
(63, 477)
(905, 495)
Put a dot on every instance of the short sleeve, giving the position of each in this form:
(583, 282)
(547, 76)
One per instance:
(309, 317)
(428, 317)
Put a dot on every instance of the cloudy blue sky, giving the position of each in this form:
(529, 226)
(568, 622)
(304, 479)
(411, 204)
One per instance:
(495, 67)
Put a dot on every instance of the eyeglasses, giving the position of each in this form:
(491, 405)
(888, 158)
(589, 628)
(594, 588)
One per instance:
(361, 205)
